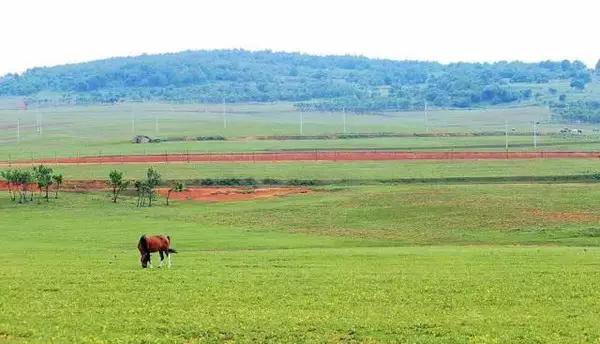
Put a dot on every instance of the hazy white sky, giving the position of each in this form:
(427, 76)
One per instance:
(37, 33)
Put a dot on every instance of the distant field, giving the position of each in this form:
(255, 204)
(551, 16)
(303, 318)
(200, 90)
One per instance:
(363, 170)
(69, 148)
(337, 265)
(93, 130)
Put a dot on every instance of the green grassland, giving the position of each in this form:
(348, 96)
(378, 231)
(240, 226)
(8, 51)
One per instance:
(93, 130)
(339, 171)
(426, 264)
(418, 263)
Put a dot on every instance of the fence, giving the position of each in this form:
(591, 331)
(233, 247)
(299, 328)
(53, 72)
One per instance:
(314, 155)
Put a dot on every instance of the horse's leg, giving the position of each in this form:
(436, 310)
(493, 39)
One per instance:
(150, 261)
(168, 259)
(162, 257)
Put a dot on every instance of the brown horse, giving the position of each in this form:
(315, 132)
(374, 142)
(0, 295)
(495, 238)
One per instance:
(155, 243)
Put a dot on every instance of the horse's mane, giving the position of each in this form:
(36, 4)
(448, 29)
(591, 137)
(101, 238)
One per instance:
(143, 243)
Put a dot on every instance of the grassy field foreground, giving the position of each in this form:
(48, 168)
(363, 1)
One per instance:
(425, 264)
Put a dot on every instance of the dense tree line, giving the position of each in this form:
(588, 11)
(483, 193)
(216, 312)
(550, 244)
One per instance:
(578, 111)
(317, 82)
(21, 183)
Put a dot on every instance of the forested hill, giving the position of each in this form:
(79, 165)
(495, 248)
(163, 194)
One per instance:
(313, 82)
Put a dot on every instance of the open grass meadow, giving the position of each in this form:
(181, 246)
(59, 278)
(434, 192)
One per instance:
(395, 263)
(46, 132)
(365, 259)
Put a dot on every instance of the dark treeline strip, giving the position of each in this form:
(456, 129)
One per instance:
(578, 111)
(252, 182)
(345, 136)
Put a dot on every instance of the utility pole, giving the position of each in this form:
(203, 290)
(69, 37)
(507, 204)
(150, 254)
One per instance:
(425, 107)
(534, 135)
(18, 130)
(301, 123)
(344, 116)
(224, 115)
(506, 135)
(38, 121)
(132, 119)
(426, 120)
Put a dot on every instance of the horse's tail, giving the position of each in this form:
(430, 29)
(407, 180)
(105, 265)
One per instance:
(143, 244)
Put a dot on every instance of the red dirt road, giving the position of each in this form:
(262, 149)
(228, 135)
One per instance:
(308, 156)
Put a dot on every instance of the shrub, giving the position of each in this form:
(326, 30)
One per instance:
(271, 181)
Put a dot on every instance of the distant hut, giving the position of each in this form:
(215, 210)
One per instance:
(141, 139)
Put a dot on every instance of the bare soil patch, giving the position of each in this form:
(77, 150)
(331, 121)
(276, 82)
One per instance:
(565, 216)
(213, 194)
(230, 194)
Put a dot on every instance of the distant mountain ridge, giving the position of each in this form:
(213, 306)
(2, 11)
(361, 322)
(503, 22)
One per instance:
(314, 82)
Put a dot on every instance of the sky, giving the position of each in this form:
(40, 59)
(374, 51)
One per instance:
(44, 33)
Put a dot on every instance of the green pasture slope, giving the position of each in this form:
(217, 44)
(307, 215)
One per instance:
(106, 130)
(412, 263)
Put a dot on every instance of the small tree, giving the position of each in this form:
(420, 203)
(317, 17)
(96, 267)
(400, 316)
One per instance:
(22, 179)
(43, 177)
(9, 175)
(145, 188)
(58, 180)
(151, 182)
(140, 191)
(177, 187)
(117, 183)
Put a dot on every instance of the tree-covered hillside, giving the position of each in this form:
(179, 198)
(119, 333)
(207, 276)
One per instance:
(313, 82)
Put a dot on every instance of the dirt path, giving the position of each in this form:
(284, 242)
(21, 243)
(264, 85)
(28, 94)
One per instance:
(306, 156)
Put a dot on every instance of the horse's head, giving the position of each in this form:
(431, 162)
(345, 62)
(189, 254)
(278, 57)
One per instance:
(144, 259)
